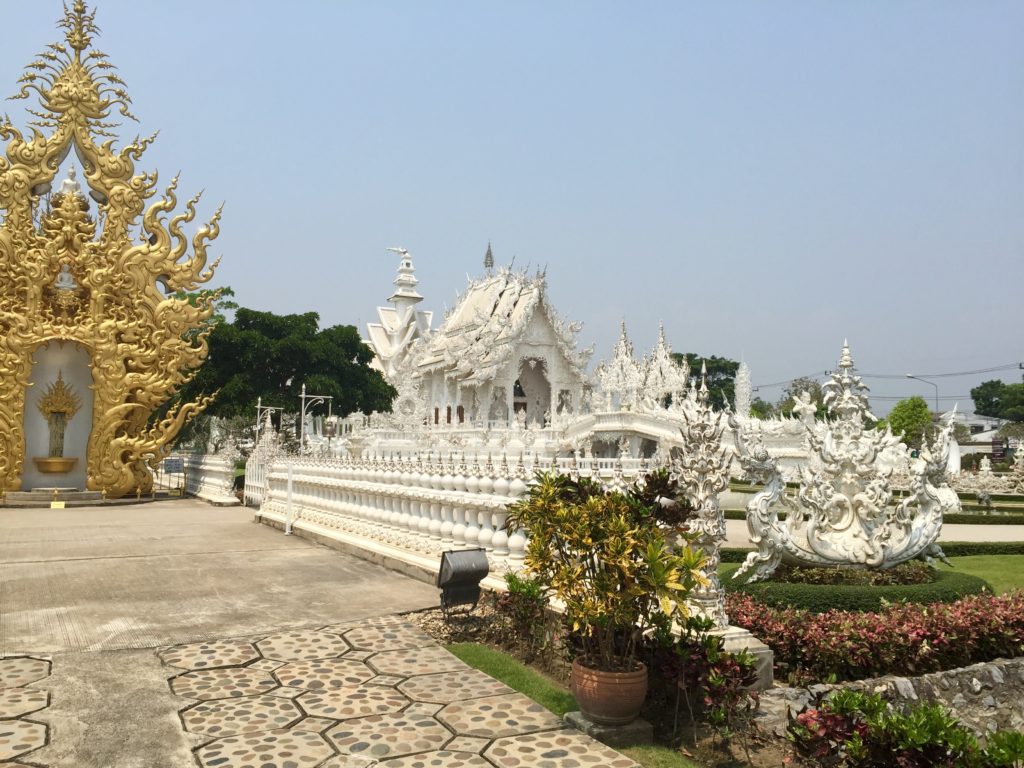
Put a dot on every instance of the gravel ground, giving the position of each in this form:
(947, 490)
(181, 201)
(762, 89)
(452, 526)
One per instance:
(479, 626)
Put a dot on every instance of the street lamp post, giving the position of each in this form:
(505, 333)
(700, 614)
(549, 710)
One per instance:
(262, 411)
(314, 400)
(918, 378)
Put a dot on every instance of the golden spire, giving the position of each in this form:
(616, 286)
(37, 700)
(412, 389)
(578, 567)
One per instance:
(80, 27)
(78, 88)
(64, 278)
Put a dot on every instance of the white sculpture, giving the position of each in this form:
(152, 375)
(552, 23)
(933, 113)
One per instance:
(805, 409)
(744, 391)
(844, 514)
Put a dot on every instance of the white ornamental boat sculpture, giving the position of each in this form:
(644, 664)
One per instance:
(844, 514)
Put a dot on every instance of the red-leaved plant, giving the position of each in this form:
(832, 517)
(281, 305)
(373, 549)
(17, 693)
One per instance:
(902, 639)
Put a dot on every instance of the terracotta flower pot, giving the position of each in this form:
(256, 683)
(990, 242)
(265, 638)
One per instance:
(609, 698)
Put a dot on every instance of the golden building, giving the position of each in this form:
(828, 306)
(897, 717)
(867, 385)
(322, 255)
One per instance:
(92, 340)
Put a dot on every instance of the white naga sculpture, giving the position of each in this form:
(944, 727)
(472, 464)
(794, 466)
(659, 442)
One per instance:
(844, 514)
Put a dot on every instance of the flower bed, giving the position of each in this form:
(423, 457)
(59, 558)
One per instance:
(903, 639)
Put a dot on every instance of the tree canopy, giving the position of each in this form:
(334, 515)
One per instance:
(911, 419)
(797, 387)
(999, 399)
(721, 376)
(268, 356)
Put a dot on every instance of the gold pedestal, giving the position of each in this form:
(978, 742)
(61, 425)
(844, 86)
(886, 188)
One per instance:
(55, 465)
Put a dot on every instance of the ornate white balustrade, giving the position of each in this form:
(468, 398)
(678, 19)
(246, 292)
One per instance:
(210, 477)
(420, 507)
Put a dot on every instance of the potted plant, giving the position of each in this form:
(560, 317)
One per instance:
(604, 557)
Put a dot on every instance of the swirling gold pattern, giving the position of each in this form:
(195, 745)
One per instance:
(68, 273)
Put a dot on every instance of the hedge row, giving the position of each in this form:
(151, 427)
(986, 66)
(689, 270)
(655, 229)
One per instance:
(955, 518)
(951, 548)
(948, 587)
(900, 639)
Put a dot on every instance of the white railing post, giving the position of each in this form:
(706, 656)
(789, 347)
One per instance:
(288, 493)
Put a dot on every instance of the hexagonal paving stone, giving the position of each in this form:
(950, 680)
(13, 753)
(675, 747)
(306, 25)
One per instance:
(382, 736)
(555, 749)
(441, 759)
(15, 702)
(346, 761)
(16, 671)
(386, 637)
(20, 736)
(415, 661)
(373, 621)
(324, 675)
(447, 687)
(302, 645)
(228, 717)
(497, 716)
(272, 749)
(346, 703)
(226, 683)
(216, 653)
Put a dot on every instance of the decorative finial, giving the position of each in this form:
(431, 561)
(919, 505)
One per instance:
(845, 359)
(489, 259)
(80, 26)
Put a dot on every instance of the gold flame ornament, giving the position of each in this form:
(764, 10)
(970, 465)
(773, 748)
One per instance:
(58, 404)
(83, 264)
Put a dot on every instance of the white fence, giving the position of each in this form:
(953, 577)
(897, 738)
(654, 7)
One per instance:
(210, 477)
(415, 507)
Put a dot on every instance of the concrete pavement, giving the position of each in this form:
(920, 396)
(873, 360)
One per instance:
(95, 590)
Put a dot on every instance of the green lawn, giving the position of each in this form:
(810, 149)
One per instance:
(1003, 572)
(553, 696)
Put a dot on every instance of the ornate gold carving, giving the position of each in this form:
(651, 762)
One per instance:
(69, 274)
(59, 398)
(58, 405)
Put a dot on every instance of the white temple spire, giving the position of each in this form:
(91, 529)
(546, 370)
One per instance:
(405, 294)
(744, 390)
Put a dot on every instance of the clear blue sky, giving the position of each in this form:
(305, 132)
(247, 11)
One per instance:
(767, 178)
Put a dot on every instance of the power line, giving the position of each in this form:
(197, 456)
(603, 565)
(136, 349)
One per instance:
(993, 369)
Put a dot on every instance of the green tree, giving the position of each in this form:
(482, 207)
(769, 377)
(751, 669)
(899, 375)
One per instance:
(911, 420)
(268, 356)
(797, 387)
(987, 397)
(721, 376)
(1011, 406)
(761, 409)
(998, 399)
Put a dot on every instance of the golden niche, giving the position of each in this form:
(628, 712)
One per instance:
(88, 266)
(58, 404)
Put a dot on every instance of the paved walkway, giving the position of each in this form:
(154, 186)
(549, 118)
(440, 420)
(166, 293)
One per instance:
(176, 635)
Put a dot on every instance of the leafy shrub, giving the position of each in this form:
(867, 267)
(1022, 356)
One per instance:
(947, 587)
(914, 572)
(900, 639)
(604, 556)
(970, 548)
(715, 684)
(958, 518)
(523, 609)
(852, 729)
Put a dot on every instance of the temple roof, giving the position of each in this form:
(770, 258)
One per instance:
(479, 334)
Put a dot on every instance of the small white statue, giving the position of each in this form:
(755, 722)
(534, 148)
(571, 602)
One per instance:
(65, 281)
(805, 409)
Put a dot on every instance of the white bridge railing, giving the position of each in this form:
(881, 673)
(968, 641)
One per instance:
(418, 506)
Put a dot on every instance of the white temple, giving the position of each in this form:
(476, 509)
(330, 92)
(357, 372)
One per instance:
(504, 374)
